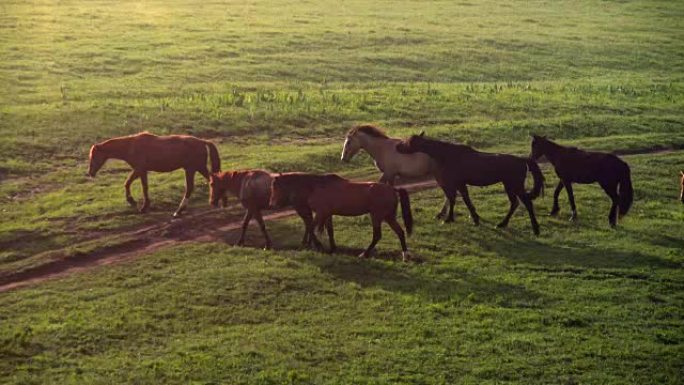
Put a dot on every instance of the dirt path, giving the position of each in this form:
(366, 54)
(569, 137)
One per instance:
(190, 228)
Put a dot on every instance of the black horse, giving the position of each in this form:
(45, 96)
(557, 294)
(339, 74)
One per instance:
(573, 165)
(462, 165)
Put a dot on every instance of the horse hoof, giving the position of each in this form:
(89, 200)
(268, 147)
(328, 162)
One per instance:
(536, 232)
(573, 218)
(364, 255)
(267, 247)
(406, 256)
(501, 225)
(332, 250)
(448, 220)
(131, 201)
(176, 215)
(553, 213)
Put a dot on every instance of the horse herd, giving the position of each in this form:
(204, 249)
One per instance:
(317, 198)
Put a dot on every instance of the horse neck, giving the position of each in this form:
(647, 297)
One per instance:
(552, 151)
(374, 146)
(117, 148)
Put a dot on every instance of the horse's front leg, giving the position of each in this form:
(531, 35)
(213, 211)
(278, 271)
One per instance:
(331, 234)
(127, 186)
(318, 222)
(571, 198)
(556, 208)
(189, 187)
(377, 234)
(146, 197)
(307, 218)
(463, 189)
(450, 200)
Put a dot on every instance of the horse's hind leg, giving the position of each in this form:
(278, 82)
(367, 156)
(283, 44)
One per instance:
(392, 222)
(262, 226)
(463, 189)
(443, 212)
(189, 186)
(245, 223)
(571, 198)
(307, 218)
(513, 199)
(556, 208)
(611, 190)
(450, 200)
(530, 210)
(127, 186)
(377, 234)
(318, 221)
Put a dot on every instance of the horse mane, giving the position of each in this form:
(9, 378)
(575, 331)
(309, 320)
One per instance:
(368, 129)
(441, 148)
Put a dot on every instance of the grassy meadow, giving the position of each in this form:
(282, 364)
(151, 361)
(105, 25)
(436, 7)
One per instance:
(276, 84)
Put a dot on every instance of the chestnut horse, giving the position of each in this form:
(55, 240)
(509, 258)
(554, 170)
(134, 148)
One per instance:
(573, 165)
(253, 189)
(462, 165)
(329, 195)
(147, 152)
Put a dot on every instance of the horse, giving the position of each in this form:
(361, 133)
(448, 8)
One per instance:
(681, 194)
(253, 189)
(147, 152)
(388, 160)
(462, 165)
(573, 165)
(329, 195)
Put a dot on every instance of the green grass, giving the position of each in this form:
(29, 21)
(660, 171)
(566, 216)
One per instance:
(583, 303)
(276, 84)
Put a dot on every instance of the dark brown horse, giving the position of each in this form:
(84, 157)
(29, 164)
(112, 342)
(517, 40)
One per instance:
(253, 189)
(462, 165)
(573, 165)
(147, 152)
(329, 195)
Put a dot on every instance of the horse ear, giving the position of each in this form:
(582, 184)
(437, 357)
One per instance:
(422, 133)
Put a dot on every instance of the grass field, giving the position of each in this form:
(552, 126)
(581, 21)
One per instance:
(276, 84)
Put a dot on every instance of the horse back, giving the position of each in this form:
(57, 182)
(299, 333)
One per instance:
(348, 198)
(581, 166)
(256, 188)
(168, 153)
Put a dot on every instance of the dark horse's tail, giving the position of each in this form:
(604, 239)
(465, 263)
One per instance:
(405, 209)
(538, 188)
(213, 157)
(626, 193)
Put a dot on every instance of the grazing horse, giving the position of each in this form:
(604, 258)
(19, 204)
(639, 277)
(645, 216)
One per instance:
(329, 195)
(147, 152)
(681, 194)
(462, 165)
(383, 150)
(573, 165)
(253, 189)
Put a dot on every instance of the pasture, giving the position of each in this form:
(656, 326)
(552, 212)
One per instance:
(276, 85)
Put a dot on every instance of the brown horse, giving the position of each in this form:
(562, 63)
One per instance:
(573, 165)
(462, 165)
(147, 152)
(681, 194)
(253, 189)
(329, 195)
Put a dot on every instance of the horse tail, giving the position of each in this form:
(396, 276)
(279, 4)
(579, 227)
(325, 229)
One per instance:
(538, 188)
(213, 157)
(626, 193)
(405, 209)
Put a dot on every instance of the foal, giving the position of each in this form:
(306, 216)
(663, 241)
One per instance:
(253, 189)
(329, 195)
(147, 152)
(573, 165)
(462, 165)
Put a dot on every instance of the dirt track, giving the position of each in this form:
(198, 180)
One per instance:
(146, 240)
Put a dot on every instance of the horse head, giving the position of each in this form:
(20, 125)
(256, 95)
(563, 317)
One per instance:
(97, 160)
(219, 183)
(279, 193)
(352, 145)
(538, 146)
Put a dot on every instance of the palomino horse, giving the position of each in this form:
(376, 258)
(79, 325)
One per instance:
(462, 165)
(388, 160)
(147, 152)
(681, 194)
(573, 165)
(253, 189)
(329, 195)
